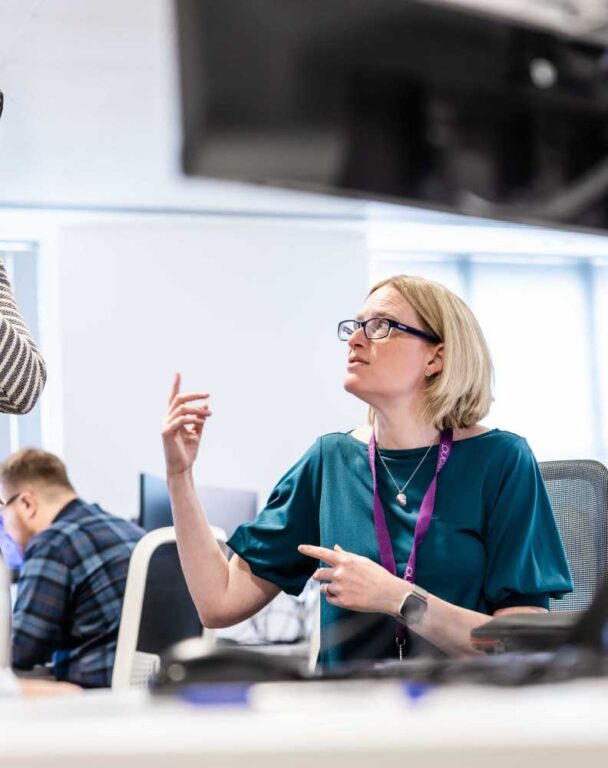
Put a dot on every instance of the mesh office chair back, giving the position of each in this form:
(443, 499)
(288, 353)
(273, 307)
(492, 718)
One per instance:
(578, 490)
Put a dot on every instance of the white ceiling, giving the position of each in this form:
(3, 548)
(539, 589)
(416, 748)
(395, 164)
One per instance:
(91, 114)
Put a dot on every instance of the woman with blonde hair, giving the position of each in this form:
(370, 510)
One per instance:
(425, 522)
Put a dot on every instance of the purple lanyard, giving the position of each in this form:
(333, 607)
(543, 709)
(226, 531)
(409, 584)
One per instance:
(422, 524)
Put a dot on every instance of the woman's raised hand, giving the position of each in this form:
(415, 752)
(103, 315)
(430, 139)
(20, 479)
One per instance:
(183, 427)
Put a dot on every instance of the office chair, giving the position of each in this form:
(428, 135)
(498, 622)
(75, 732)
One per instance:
(157, 609)
(578, 490)
(6, 612)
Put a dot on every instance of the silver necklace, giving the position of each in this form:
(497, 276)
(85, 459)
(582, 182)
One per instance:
(401, 498)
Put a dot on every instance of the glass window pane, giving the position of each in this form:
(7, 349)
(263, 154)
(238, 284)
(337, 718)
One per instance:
(600, 353)
(535, 321)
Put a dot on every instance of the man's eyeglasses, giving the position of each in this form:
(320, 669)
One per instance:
(379, 328)
(4, 504)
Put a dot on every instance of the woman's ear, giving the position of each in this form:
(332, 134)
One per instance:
(434, 364)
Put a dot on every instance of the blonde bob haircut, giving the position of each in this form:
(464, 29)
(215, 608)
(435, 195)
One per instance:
(461, 394)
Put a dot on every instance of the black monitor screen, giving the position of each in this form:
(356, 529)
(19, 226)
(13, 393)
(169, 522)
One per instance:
(226, 508)
(394, 99)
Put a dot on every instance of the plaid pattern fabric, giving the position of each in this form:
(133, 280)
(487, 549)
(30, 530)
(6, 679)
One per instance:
(69, 594)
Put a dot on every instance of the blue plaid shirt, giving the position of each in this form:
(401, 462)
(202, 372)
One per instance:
(69, 594)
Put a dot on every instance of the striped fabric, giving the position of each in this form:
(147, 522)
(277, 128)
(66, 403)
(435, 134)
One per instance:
(22, 369)
(69, 594)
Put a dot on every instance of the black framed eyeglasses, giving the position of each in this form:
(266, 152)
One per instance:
(4, 504)
(379, 328)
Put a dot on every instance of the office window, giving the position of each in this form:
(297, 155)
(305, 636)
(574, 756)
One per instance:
(600, 353)
(21, 263)
(535, 320)
(544, 314)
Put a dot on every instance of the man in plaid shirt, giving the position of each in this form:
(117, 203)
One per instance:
(72, 580)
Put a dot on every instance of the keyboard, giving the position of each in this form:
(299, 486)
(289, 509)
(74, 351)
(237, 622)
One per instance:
(507, 669)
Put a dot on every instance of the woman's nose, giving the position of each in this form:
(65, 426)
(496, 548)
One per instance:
(357, 338)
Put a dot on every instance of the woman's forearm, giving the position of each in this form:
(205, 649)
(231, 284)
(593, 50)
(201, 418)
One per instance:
(449, 626)
(445, 625)
(357, 583)
(224, 593)
(204, 564)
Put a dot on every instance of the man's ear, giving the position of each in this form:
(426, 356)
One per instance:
(29, 505)
(434, 364)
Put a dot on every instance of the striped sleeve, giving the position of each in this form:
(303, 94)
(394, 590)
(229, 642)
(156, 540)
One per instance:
(22, 368)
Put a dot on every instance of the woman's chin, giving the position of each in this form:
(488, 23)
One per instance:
(353, 386)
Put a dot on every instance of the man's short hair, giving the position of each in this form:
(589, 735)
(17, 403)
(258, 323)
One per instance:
(33, 465)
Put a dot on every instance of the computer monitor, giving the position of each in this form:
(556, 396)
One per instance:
(154, 503)
(397, 100)
(226, 508)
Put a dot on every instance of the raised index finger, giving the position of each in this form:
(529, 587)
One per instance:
(175, 388)
(320, 553)
(176, 399)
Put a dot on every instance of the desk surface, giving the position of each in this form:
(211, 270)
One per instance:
(352, 724)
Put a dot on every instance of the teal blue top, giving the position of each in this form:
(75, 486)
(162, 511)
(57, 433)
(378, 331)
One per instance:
(492, 542)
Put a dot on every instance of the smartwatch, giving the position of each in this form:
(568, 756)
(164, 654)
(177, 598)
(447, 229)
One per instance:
(414, 606)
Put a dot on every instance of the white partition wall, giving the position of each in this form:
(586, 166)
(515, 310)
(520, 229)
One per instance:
(246, 309)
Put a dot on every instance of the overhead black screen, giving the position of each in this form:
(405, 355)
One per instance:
(396, 99)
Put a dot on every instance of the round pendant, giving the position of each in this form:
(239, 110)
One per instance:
(401, 499)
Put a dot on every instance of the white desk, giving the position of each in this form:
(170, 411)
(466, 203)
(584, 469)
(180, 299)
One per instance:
(356, 725)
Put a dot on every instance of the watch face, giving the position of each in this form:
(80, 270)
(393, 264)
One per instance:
(413, 608)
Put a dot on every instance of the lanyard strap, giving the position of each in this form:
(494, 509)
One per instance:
(387, 556)
(425, 515)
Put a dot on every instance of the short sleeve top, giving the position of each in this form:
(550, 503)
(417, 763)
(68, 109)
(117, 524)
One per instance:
(492, 542)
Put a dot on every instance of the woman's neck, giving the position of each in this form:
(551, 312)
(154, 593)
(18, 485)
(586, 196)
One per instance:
(402, 430)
